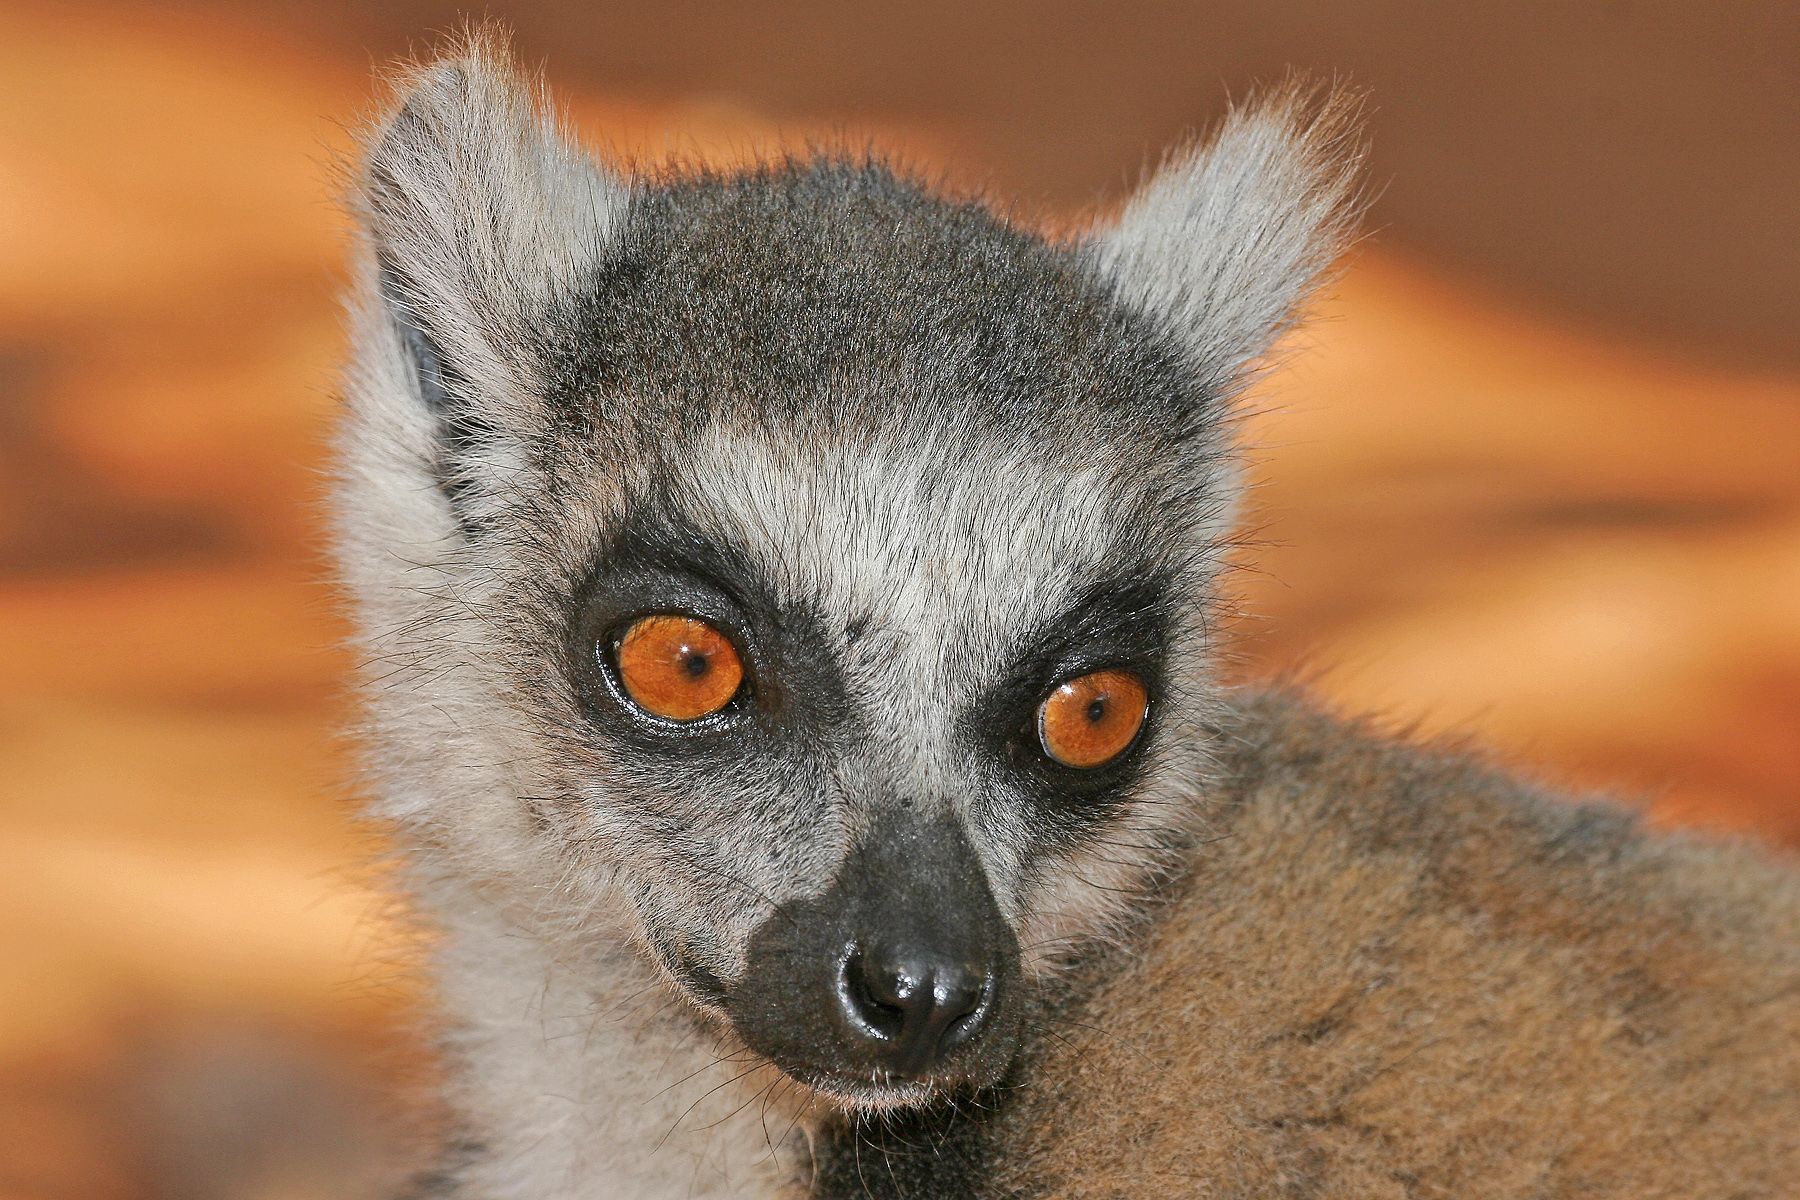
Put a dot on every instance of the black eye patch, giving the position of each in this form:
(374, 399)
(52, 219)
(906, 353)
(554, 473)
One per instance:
(1123, 622)
(658, 563)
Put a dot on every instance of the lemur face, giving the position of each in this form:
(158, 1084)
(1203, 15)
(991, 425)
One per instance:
(851, 600)
(800, 574)
(874, 722)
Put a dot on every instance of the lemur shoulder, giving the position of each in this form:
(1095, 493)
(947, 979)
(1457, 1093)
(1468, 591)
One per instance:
(1393, 971)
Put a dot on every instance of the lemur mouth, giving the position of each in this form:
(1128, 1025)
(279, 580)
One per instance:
(876, 1091)
(862, 1088)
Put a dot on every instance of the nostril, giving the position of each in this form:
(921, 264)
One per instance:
(873, 998)
(916, 1006)
(967, 1022)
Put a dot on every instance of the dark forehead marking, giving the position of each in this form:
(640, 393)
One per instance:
(839, 291)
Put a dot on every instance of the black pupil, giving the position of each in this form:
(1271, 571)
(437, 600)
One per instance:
(696, 664)
(1096, 710)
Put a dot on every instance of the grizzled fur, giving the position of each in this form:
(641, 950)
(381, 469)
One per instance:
(1393, 972)
(920, 466)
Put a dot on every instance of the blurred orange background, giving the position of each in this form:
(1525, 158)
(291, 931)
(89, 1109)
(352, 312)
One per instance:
(1533, 475)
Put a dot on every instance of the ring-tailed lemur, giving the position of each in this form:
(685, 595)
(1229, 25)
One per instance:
(786, 603)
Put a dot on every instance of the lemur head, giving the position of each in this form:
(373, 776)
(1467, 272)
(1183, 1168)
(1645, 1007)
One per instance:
(800, 574)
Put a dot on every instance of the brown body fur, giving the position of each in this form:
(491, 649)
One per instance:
(1397, 973)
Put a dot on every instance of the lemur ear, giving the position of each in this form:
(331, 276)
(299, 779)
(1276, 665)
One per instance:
(481, 214)
(1226, 241)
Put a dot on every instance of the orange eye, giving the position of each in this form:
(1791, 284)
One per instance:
(678, 667)
(1090, 720)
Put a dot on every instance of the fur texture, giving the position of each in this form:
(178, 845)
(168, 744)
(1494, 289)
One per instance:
(919, 467)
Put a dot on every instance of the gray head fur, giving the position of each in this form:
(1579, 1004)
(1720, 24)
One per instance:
(920, 463)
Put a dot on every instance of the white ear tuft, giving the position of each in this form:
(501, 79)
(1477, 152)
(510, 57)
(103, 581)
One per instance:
(1232, 234)
(479, 206)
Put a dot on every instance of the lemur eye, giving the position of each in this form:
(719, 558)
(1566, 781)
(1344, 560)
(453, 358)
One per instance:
(678, 667)
(1090, 720)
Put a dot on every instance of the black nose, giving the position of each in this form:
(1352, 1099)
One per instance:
(912, 1007)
